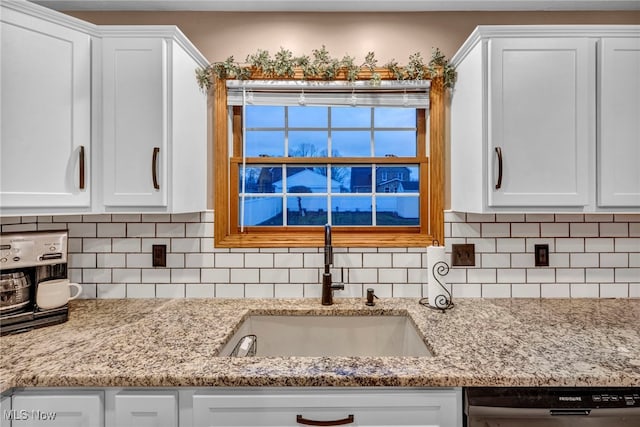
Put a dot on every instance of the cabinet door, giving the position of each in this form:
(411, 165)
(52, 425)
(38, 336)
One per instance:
(147, 409)
(5, 411)
(45, 113)
(57, 410)
(135, 117)
(619, 135)
(268, 407)
(541, 121)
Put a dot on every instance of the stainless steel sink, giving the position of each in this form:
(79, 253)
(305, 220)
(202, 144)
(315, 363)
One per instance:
(374, 336)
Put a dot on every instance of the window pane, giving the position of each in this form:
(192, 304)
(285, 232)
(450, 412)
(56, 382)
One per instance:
(308, 143)
(397, 210)
(341, 179)
(351, 210)
(394, 117)
(264, 116)
(351, 117)
(396, 143)
(265, 143)
(308, 117)
(351, 144)
(353, 179)
(260, 179)
(261, 210)
(306, 210)
(397, 179)
(305, 179)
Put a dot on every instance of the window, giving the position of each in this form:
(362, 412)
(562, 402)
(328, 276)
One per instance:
(283, 171)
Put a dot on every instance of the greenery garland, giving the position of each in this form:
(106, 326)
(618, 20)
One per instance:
(321, 65)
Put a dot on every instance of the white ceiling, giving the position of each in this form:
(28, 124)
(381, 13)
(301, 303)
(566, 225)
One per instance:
(341, 5)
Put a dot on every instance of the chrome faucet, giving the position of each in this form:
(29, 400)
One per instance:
(327, 286)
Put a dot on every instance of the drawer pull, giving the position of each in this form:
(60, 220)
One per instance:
(499, 153)
(154, 167)
(301, 420)
(81, 168)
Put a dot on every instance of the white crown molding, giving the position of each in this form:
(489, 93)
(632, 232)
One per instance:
(341, 5)
(483, 32)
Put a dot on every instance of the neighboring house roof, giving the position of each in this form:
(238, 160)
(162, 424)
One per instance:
(316, 182)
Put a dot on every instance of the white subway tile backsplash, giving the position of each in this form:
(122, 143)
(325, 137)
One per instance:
(555, 290)
(156, 276)
(284, 260)
(590, 256)
(258, 290)
(200, 290)
(228, 290)
(585, 290)
(185, 245)
(111, 290)
(201, 260)
(614, 229)
(141, 290)
(496, 290)
(628, 275)
(379, 260)
(96, 275)
(578, 260)
(245, 275)
(554, 229)
(170, 290)
(481, 275)
(96, 245)
(112, 230)
(627, 245)
(525, 290)
(111, 260)
(185, 275)
(170, 230)
(80, 229)
(614, 290)
(599, 275)
(569, 245)
(288, 290)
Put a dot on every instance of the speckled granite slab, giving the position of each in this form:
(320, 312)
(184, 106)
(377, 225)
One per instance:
(163, 343)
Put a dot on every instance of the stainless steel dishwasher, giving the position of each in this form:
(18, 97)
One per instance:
(552, 407)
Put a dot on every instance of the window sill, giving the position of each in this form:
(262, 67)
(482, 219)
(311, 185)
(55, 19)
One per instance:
(340, 238)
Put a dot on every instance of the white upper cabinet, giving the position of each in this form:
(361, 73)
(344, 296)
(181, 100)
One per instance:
(524, 121)
(541, 127)
(98, 118)
(619, 133)
(45, 123)
(154, 122)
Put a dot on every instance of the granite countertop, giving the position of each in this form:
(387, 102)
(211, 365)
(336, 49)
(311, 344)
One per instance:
(481, 342)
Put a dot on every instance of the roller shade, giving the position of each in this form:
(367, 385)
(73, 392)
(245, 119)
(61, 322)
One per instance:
(410, 94)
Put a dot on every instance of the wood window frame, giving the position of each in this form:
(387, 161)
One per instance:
(228, 235)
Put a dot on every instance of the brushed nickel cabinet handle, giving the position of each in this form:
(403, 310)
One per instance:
(81, 168)
(154, 167)
(499, 153)
(301, 420)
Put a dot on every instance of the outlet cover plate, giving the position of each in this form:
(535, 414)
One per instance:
(463, 255)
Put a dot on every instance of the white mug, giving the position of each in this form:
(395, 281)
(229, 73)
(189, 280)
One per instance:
(55, 293)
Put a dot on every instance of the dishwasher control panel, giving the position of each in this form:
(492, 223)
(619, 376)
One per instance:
(554, 397)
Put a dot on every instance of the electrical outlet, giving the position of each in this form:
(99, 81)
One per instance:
(463, 255)
(159, 255)
(541, 255)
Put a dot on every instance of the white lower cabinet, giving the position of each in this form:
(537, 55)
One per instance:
(142, 408)
(57, 408)
(5, 411)
(231, 407)
(303, 406)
